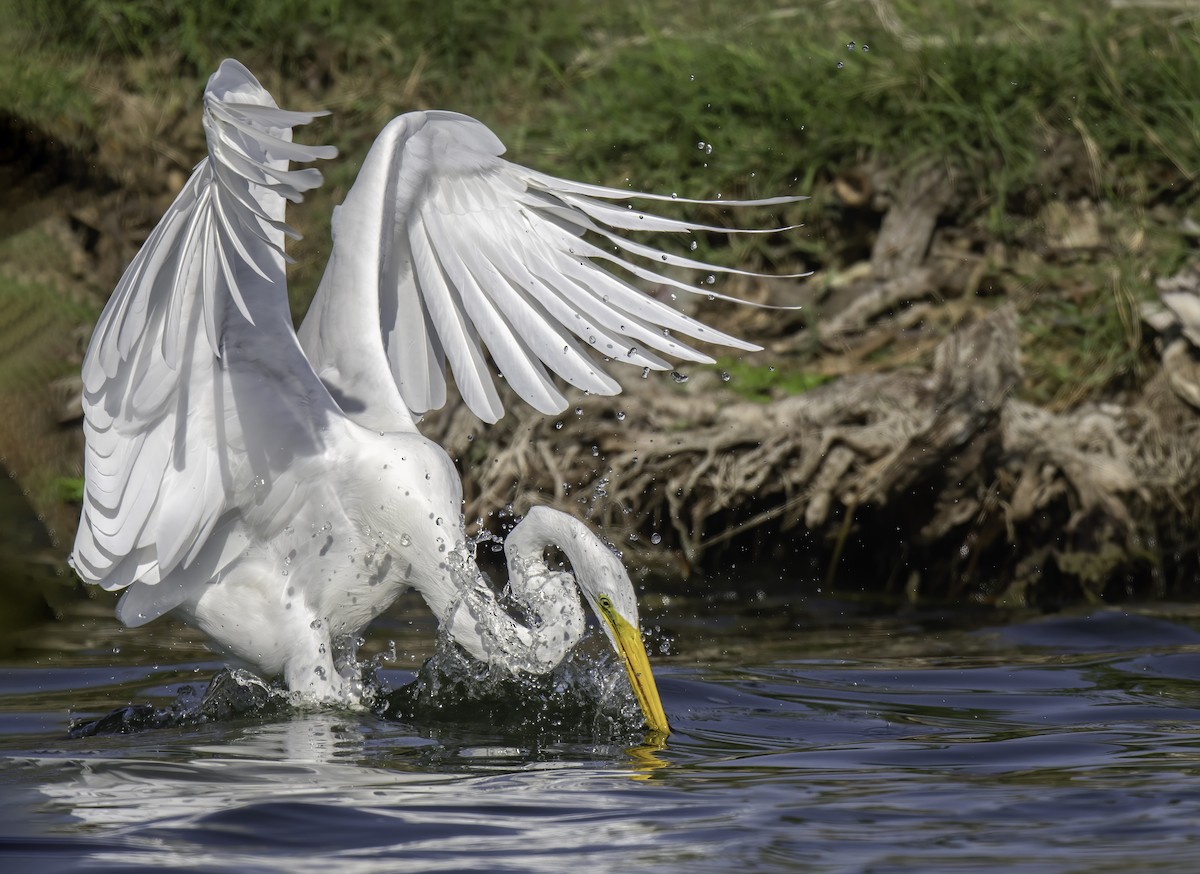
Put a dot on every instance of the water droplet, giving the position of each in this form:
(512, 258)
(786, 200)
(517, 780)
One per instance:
(710, 279)
(840, 65)
(656, 538)
(850, 46)
(645, 372)
(724, 376)
(866, 48)
(679, 377)
(693, 245)
(405, 540)
(700, 145)
(315, 624)
(579, 411)
(595, 452)
(621, 416)
(558, 426)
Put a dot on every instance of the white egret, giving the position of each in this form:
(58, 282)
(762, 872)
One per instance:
(271, 488)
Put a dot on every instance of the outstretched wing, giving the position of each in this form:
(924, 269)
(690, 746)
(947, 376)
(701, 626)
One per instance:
(194, 361)
(443, 249)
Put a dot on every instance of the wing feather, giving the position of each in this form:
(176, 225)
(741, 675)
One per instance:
(175, 376)
(447, 251)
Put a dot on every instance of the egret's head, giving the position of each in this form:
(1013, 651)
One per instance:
(623, 631)
(606, 587)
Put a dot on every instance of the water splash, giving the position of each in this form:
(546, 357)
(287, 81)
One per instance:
(231, 694)
(586, 697)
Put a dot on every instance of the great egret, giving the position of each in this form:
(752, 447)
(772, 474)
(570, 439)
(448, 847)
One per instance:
(271, 488)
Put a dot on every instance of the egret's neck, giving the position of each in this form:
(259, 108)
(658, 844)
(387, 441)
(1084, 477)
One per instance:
(480, 623)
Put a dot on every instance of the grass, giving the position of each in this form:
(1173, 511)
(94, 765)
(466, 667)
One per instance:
(1027, 103)
(763, 383)
(788, 92)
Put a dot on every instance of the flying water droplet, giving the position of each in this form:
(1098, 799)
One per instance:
(679, 377)
(656, 538)
(621, 416)
(724, 376)
(693, 245)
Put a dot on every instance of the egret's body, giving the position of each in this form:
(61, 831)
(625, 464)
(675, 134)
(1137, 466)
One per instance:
(272, 488)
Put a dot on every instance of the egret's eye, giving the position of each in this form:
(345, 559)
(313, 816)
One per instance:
(605, 602)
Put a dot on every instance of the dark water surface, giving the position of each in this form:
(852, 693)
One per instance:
(1064, 743)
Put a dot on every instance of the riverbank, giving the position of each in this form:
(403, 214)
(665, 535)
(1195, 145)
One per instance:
(972, 403)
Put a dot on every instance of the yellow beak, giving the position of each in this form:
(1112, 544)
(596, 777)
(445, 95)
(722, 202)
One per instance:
(637, 664)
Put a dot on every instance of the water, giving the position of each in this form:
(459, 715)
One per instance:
(827, 741)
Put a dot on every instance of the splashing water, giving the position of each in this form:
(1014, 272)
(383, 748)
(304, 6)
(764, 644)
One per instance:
(232, 693)
(585, 698)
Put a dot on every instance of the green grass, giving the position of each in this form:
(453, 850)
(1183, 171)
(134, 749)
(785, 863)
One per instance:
(1024, 101)
(629, 89)
(764, 382)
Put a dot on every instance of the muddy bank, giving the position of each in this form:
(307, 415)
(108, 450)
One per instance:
(935, 483)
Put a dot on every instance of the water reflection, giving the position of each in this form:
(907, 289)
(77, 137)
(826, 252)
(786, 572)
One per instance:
(288, 789)
(1062, 744)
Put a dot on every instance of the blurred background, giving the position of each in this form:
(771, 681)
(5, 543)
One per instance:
(987, 397)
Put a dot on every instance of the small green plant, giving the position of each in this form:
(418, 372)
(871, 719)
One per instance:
(761, 383)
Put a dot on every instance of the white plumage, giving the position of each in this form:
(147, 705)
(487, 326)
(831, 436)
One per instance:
(272, 488)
